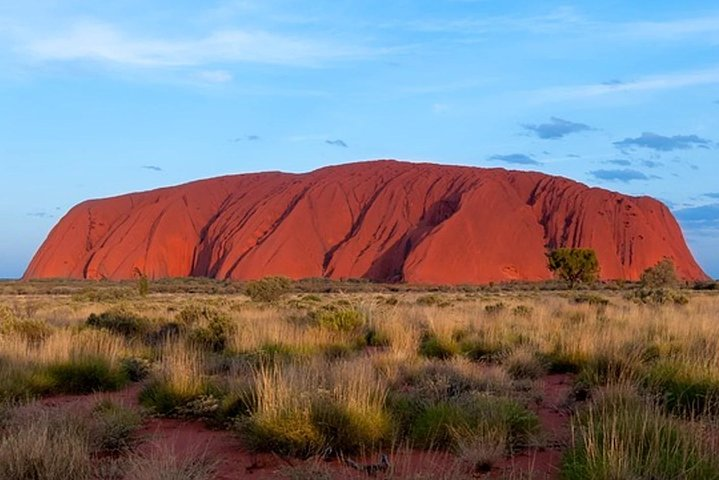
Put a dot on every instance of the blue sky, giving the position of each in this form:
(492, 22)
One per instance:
(102, 98)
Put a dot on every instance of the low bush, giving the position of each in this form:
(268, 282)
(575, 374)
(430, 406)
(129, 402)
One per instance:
(442, 425)
(79, 376)
(339, 319)
(525, 363)
(433, 346)
(119, 321)
(213, 333)
(270, 289)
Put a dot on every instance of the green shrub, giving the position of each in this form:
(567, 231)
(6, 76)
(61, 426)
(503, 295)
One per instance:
(213, 335)
(83, 375)
(661, 275)
(349, 430)
(165, 400)
(683, 390)
(341, 320)
(623, 437)
(523, 363)
(120, 322)
(270, 289)
(291, 433)
(433, 346)
(438, 424)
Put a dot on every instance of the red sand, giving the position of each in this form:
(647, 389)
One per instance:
(381, 220)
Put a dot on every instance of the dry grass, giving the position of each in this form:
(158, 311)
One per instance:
(292, 383)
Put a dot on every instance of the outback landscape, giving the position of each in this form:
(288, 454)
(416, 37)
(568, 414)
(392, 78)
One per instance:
(199, 379)
(359, 239)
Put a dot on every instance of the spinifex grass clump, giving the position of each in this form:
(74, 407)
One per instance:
(301, 409)
(624, 436)
(178, 380)
(64, 362)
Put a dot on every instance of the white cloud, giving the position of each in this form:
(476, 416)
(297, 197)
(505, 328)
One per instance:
(102, 42)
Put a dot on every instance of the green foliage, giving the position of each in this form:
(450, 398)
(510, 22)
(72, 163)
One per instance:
(288, 433)
(661, 275)
(433, 346)
(84, 375)
(213, 334)
(119, 321)
(623, 437)
(165, 400)
(438, 425)
(269, 289)
(347, 429)
(683, 390)
(658, 296)
(339, 319)
(574, 265)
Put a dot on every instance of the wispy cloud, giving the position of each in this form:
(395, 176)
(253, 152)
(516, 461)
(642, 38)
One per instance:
(619, 175)
(102, 42)
(40, 214)
(515, 158)
(214, 76)
(645, 84)
(663, 143)
(154, 168)
(556, 128)
(246, 138)
(336, 143)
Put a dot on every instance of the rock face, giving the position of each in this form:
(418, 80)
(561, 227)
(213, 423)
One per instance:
(381, 220)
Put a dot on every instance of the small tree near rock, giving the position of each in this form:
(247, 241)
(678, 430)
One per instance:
(574, 265)
(661, 275)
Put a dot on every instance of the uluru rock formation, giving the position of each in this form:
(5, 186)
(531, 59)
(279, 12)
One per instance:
(381, 220)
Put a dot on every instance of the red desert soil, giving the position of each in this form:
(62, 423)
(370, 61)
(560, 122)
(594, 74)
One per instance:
(381, 220)
(554, 418)
(185, 438)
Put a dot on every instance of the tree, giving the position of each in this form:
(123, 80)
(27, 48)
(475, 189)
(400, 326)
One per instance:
(575, 265)
(661, 275)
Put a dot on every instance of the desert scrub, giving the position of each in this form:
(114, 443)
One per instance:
(165, 464)
(47, 445)
(270, 289)
(623, 436)
(435, 346)
(113, 426)
(524, 362)
(178, 379)
(82, 375)
(303, 408)
(683, 388)
(212, 332)
(445, 424)
(342, 319)
(119, 321)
